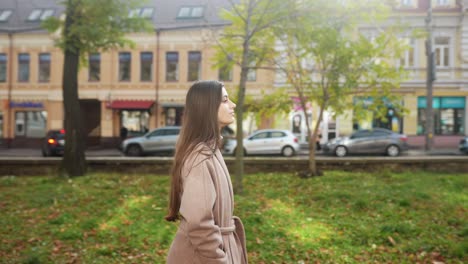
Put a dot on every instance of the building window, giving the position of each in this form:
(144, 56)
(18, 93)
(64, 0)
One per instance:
(190, 12)
(3, 67)
(172, 66)
(146, 66)
(173, 116)
(442, 51)
(23, 67)
(31, 124)
(442, 2)
(406, 2)
(194, 65)
(125, 63)
(252, 73)
(44, 67)
(40, 14)
(408, 57)
(225, 73)
(5, 15)
(94, 68)
(143, 12)
(449, 115)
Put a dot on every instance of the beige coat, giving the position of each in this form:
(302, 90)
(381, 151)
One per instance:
(208, 232)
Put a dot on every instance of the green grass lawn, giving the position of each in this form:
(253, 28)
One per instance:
(342, 217)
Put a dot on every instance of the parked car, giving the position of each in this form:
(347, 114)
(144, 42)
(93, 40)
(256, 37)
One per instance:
(54, 143)
(377, 140)
(266, 141)
(464, 145)
(160, 140)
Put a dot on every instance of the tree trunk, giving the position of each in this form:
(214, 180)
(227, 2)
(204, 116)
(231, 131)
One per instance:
(239, 165)
(238, 188)
(73, 162)
(313, 170)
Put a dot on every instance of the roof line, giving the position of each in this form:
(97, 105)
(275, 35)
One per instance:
(190, 26)
(20, 30)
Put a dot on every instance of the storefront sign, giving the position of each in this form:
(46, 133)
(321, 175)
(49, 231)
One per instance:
(367, 101)
(443, 102)
(26, 105)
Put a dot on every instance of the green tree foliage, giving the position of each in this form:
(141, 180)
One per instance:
(89, 26)
(248, 43)
(326, 59)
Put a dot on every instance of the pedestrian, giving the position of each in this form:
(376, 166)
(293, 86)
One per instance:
(201, 190)
(123, 133)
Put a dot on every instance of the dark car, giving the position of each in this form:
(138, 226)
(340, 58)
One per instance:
(374, 141)
(54, 143)
(463, 146)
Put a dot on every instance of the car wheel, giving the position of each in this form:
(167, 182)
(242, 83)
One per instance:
(134, 151)
(393, 150)
(341, 151)
(288, 151)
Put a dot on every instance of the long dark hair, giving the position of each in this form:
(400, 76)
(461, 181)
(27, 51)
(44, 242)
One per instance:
(199, 125)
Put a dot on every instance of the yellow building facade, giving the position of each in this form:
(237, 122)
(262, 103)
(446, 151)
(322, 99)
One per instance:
(110, 101)
(144, 87)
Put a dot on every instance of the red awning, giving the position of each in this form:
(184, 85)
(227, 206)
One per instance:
(131, 104)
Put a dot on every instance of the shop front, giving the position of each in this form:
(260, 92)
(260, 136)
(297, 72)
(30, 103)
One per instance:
(173, 113)
(392, 119)
(30, 123)
(134, 116)
(449, 115)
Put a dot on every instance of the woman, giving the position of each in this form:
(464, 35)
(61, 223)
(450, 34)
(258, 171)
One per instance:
(201, 190)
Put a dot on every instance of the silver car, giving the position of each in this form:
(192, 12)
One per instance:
(377, 140)
(266, 141)
(160, 140)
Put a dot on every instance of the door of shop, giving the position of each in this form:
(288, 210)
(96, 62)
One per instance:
(91, 120)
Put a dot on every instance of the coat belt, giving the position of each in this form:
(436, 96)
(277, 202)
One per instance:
(227, 230)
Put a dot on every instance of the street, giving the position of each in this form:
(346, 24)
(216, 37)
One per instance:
(113, 152)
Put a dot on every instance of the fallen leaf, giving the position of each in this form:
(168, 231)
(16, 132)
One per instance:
(259, 241)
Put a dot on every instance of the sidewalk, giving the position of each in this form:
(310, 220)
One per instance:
(304, 151)
(28, 152)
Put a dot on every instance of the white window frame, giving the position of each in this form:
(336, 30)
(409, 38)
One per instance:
(35, 15)
(442, 2)
(40, 14)
(143, 12)
(46, 13)
(411, 42)
(406, 2)
(442, 47)
(191, 12)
